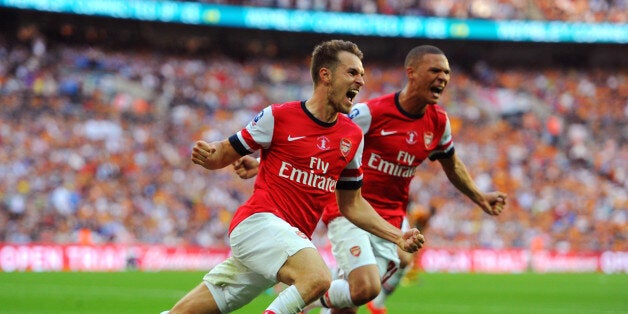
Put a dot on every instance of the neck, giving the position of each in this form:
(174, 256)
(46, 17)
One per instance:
(321, 109)
(410, 103)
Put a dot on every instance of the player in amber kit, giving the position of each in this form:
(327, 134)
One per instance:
(309, 158)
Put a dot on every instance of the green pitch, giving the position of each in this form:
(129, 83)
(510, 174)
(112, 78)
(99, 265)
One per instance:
(145, 292)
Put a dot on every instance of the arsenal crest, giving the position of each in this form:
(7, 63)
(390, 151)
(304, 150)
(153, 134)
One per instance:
(345, 146)
(355, 251)
(301, 234)
(427, 138)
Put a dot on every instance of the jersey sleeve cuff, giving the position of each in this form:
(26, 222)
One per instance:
(442, 155)
(237, 145)
(348, 185)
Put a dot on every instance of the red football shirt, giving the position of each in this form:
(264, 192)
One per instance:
(395, 143)
(301, 162)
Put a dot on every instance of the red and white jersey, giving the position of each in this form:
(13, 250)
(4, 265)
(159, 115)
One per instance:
(395, 144)
(302, 161)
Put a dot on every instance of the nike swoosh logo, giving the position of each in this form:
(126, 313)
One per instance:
(385, 133)
(290, 138)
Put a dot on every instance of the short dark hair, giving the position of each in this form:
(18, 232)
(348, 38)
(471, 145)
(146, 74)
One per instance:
(418, 52)
(325, 55)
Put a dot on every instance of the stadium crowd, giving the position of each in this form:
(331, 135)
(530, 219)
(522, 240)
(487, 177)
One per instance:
(612, 11)
(96, 145)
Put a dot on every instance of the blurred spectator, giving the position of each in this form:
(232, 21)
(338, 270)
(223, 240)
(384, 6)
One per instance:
(594, 11)
(96, 147)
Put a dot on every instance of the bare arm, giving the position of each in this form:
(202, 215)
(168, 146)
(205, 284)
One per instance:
(214, 155)
(492, 203)
(355, 208)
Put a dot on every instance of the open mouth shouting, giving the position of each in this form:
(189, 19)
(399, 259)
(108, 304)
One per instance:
(437, 91)
(352, 93)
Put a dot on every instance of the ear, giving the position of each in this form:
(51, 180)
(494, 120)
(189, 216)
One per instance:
(409, 72)
(325, 75)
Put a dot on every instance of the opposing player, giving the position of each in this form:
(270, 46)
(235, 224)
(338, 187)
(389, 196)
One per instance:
(308, 152)
(401, 130)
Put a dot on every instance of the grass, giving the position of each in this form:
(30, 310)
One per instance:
(146, 292)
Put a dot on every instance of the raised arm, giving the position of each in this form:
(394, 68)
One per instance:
(492, 203)
(357, 210)
(214, 155)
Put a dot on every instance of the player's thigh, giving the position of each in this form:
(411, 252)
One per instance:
(306, 264)
(386, 256)
(351, 246)
(232, 285)
(307, 271)
(264, 242)
(365, 278)
(198, 300)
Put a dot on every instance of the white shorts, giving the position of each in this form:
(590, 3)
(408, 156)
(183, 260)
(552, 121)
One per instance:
(405, 224)
(260, 245)
(354, 247)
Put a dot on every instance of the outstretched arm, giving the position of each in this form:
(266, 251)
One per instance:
(355, 208)
(492, 203)
(214, 155)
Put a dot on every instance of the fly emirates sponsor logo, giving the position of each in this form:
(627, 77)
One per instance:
(396, 169)
(309, 178)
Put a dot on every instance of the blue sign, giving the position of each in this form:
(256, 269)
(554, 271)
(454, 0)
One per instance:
(334, 22)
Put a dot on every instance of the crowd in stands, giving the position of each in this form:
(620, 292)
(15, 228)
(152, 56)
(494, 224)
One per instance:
(594, 11)
(96, 147)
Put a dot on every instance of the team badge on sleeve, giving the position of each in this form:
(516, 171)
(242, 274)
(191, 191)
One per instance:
(354, 112)
(257, 117)
(345, 146)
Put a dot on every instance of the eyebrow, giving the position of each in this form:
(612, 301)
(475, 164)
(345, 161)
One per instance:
(356, 70)
(439, 69)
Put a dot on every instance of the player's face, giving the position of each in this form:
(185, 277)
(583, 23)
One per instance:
(347, 79)
(430, 77)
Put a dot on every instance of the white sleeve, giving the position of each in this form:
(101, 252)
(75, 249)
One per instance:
(259, 132)
(446, 138)
(361, 115)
